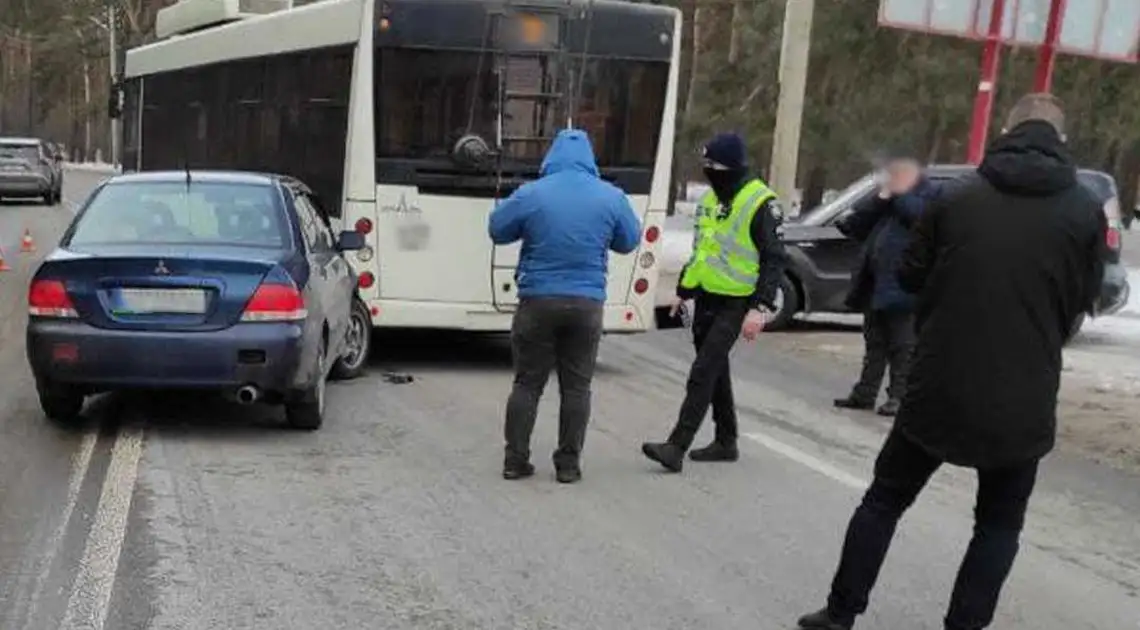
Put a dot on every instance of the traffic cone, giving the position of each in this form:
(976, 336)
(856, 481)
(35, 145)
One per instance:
(3, 264)
(26, 243)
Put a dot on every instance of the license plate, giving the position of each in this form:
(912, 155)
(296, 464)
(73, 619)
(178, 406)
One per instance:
(171, 301)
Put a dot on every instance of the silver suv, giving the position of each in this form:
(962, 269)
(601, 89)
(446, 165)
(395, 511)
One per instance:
(30, 167)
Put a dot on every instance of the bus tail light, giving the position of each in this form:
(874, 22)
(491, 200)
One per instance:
(641, 286)
(652, 233)
(48, 298)
(364, 254)
(364, 226)
(366, 280)
(647, 259)
(275, 302)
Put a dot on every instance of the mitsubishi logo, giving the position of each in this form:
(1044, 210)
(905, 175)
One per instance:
(402, 208)
(161, 269)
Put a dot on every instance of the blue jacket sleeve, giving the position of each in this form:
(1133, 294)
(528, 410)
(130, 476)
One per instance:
(908, 208)
(627, 227)
(508, 219)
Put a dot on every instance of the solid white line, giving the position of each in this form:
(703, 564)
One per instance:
(808, 460)
(80, 462)
(91, 595)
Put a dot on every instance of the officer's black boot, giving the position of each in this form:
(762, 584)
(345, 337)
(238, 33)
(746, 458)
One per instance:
(671, 456)
(516, 469)
(852, 402)
(822, 620)
(715, 452)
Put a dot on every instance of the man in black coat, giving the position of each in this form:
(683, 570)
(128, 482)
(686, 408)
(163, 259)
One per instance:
(883, 222)
(1003, 262)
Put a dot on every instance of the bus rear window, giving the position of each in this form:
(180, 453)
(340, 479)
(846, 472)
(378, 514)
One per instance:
(426, 100)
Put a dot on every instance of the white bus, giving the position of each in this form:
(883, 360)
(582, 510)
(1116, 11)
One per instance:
(409, 118)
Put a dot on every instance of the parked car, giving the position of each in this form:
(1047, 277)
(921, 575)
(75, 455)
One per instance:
(30, 167)
(220, 281)
(823, 259)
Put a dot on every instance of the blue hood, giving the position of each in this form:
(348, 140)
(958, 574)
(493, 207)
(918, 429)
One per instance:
(571, 151)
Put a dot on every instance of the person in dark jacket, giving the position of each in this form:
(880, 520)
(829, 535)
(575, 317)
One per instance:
(568, 221)
(883, 222)
(733, 274)
(1003, 262)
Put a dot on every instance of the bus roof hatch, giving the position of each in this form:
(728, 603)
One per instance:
(187, 16)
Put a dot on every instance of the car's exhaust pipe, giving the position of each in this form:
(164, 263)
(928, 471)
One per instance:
(247, 395)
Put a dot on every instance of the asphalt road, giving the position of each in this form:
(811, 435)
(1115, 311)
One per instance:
(179, 512)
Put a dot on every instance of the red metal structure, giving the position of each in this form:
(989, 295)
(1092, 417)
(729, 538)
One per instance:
(1103, 29)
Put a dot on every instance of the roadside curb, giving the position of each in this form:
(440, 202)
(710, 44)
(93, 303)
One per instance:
(91, 167)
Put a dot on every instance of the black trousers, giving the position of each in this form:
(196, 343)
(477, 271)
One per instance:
(716, 327)
(547, 334)
(888, 338)
(901, 471)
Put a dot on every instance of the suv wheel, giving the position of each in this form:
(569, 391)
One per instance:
(787, 305)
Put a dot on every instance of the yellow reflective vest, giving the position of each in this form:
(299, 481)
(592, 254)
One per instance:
(725, 261)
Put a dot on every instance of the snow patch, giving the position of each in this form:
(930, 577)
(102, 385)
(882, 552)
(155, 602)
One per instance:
(91, 167)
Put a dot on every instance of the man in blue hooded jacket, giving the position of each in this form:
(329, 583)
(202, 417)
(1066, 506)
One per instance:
(568, 221)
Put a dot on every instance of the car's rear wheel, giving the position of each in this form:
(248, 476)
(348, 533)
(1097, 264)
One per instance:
(787, 305)
(307, 410)
(49, 198)
(60, 403)
(358, 339)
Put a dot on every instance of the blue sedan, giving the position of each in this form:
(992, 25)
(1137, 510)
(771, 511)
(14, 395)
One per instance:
(200, 280)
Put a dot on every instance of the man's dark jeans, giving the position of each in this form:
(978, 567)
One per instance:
(888, 337)
(901, 471)
(716, 327)
(549, 333)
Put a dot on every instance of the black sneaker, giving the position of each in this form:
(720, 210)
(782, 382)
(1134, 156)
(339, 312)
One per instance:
(568, 475)
(715, 452)
(517, 470)
(889, 408)
(671, 456)
(822, 620)
(854, 403)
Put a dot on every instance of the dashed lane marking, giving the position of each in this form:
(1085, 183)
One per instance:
(91, 595)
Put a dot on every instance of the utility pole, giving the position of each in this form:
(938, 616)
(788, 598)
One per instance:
(113, 47)
(794, 54)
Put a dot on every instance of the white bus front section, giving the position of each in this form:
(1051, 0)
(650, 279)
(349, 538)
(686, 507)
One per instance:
(431, 256)
(435, 267)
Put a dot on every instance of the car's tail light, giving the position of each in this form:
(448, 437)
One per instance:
(48, 298)
(364, 226)
(275, 302)
(652, 233)
(366, 280)
(641, 286)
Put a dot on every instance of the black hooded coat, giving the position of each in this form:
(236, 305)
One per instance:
(1003, 262)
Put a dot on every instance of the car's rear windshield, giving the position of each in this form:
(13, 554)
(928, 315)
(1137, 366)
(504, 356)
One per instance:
(201, 213)
(22, 151)
(1101, 184)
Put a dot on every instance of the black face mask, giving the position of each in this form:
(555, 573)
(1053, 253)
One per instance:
(725, 183)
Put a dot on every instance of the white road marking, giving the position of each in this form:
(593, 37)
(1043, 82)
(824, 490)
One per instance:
(91, 594)
(808, 460)
(80, 462)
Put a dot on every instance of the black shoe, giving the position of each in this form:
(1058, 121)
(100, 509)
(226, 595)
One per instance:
(889, 408)
(517, 470)
(854, 403)
(668, 455)
(715, 452)
(568, 475)
(822, 620)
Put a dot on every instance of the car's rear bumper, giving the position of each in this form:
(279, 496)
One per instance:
(24, 185)
(1114, 290)
(265, 355)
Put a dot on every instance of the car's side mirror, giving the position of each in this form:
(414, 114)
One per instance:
(350, 241)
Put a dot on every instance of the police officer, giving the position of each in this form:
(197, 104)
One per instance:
(733, 275)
